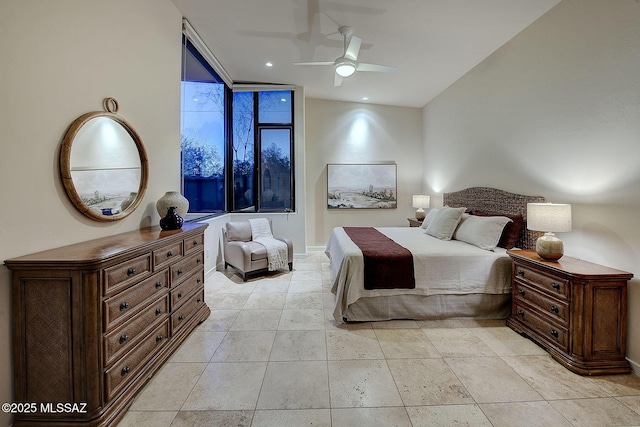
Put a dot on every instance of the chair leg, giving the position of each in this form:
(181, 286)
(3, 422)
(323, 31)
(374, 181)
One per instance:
(244, 277)
(290, 266)
(226, 264)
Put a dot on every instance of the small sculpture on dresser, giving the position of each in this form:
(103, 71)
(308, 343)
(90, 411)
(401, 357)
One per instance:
(171, 221)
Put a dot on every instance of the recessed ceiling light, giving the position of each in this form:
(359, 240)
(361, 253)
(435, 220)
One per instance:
(364, 98)
(269, 64)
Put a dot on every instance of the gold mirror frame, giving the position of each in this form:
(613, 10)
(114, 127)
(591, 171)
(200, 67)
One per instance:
(111, 107)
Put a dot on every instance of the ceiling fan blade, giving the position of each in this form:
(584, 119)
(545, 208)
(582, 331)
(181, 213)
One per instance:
(337, 81)
(353, 48)
(375, 67)
(315, 63)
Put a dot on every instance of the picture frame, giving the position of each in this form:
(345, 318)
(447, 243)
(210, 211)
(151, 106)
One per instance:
(362, 186)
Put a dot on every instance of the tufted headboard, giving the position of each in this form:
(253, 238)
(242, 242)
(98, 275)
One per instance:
(492, 200)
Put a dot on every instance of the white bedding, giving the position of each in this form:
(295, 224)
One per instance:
(441, 267)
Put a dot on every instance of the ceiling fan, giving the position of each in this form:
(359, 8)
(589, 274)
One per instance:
(347, 64)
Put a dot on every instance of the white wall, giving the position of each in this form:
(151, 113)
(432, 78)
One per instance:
(555, 112)
(344, 132)
(59, 60)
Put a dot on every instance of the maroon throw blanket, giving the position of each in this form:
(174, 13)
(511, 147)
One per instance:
(387, 265)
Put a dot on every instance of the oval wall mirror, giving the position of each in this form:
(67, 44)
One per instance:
(103, 164)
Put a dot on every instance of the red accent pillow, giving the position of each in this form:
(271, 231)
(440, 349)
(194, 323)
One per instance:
(512, 230)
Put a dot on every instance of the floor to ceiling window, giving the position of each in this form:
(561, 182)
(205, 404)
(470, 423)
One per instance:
(236, 146)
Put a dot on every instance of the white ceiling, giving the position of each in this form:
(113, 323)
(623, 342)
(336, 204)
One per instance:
(431, 42)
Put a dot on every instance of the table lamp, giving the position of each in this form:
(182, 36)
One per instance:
(550, 218)
(420, 202)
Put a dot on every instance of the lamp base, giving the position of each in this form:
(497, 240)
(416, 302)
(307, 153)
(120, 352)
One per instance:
(549, 247)
(420, 214)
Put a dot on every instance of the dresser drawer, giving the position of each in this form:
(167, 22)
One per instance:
(181, 316)
(194, 244)
(557, 309)
(123, 372)
(122, 275)
(556, 286)
(167, 254)
(122, 338)
(181, 270)
(184, 290)
(551, 333)
(129, 301)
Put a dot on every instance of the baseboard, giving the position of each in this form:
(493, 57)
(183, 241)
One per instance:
(316, 248)
(634, 367)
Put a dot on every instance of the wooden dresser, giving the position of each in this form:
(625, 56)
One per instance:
(575, 309)
(92, 322)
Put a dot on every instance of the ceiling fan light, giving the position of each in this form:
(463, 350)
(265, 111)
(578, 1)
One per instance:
(345, 68)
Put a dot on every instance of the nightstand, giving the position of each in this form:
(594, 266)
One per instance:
(414, 222)
(575, 309)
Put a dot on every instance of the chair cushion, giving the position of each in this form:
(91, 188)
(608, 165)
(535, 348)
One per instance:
(258, 251)
(239, 231)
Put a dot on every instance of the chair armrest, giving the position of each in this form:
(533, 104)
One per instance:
(289, 246)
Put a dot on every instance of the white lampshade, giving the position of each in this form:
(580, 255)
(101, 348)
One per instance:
(549, 217)
(420, 201)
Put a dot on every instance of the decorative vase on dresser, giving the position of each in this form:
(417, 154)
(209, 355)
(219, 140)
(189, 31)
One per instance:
(575, 309)
(94, 321)
(172, 199)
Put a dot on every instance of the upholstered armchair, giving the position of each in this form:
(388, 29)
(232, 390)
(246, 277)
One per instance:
(245, 255)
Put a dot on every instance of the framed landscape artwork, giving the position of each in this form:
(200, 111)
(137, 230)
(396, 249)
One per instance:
(361, 186)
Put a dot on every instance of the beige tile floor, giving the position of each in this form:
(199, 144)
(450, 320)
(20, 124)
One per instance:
(270, 354)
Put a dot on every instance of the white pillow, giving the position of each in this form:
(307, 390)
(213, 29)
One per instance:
(444, 222)
(427, 219)
(481, 231)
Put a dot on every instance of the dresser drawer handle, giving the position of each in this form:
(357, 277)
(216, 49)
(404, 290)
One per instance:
(198, 261)
(131, 271)
(521, 273)
(198, 280)
(198, 300)
(159, 285)
(555, 286)
(124, 305)
(123, 338)
(125, 371)
(555, 309)
(169, 254)
(159, 338)
(554, 333)
(520, 313)
(195, 243)
(521, 292)
(179, 295)
(179, 271)
(158, 311)
(180, 318)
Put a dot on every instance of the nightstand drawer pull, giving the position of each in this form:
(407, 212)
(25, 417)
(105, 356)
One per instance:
(521, 292)
(521, 313)
(554, 333)
(555, 286)
(131, 271)
(555, 309)
(123, 338)
(124, 305)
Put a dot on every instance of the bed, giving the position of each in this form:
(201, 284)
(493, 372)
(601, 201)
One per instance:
(451, 278)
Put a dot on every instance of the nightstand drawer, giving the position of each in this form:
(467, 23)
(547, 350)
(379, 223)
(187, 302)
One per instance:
(551, 333)
(553, 285)
(557, 309)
